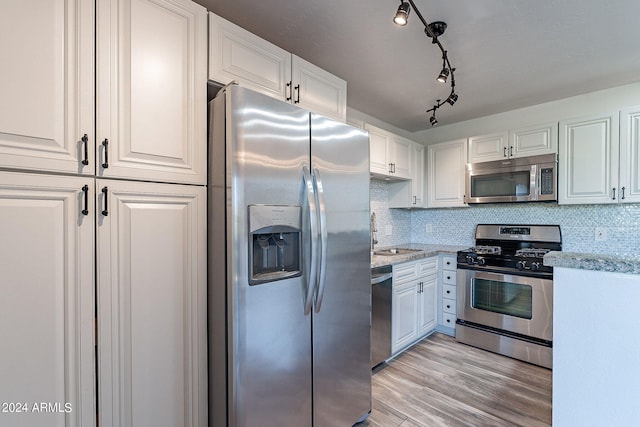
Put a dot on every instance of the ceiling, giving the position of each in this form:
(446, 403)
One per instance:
(507, 54)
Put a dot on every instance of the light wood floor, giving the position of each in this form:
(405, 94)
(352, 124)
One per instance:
(440, 382)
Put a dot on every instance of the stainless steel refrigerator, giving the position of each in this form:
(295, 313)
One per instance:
(289, 266)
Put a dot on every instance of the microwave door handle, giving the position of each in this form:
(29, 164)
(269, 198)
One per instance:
(313, 225)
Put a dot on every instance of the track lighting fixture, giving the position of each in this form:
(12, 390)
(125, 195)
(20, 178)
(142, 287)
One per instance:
(402, 15)
(433, 31)
(442, 78)
(433, 119)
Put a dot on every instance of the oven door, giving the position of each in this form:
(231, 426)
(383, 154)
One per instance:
(508, 302)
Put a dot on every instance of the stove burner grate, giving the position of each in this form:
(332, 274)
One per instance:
(482, 250)
(532, 252)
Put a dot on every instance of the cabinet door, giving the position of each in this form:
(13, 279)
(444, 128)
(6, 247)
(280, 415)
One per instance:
(427, 304)
(46, 82)
(404, 313)
(489, 147)
(588, 160)
(445, 172)
(399, 152)
(318, 90)
(377, 150)
(236, 54)
(151, 304)
(47, 303)
(151, 86)
(410, 193)
(534, 140)
(630, 155)
(418, 175)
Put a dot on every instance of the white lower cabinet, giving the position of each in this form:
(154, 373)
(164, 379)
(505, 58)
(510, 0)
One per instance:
(151, 302)
(413, 307)
(47, 300)
(447, 294)
(151, 241)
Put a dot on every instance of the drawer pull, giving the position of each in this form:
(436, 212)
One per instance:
(448, 321)
(448, 292)
(448, 306)
(448, 277)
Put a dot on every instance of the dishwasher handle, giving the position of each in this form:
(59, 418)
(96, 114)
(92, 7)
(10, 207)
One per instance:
(380, 278)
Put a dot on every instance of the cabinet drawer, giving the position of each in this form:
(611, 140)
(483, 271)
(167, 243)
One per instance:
(405, 272)
(449, 291)
(449, 262)
(427, 266)
(449, 306)
(449, 320)
(449, 277)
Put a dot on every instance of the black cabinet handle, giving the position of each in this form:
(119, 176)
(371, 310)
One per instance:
(415, 201)
(85, 190)
(85, 141)
(448, 277)
(614, 194)
(622, 198)
(511, 151)
(448, 321)
(505, 152)
(448, 292)
(297, 100)
(105, 191)
(290, 91)
(448, 306)
(105, 144)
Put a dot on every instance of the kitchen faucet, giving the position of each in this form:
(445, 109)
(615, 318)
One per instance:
(374, 229)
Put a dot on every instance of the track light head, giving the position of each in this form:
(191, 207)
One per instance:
(442, 77)
(402, 15)
(433, 119)
(452, 98)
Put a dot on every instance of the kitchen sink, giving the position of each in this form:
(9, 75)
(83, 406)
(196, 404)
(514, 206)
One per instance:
(395, 251)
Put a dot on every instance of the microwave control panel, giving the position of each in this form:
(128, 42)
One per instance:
(546, 181)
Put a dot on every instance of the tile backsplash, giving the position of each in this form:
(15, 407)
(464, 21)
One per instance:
(456, 226)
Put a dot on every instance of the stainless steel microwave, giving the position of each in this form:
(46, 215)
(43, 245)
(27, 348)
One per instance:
(525, 179)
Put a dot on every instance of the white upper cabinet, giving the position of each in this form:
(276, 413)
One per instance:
(630, 155)
(318, 90)
(390, 155)
(446, 164)
(151, 78)
(46, 82)
(599, 159)
(236, 54)
(410, 194)
(488, 147)
(47, 302)
(588, 160)
(151, 87)
(534, 140)
(521, 142)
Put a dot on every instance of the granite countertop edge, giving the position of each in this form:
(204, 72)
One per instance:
(597, 262)
(423, 251)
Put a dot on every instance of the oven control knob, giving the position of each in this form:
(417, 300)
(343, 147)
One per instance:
(522, 265)
(481, 261)
(535, 266)
(471, 260)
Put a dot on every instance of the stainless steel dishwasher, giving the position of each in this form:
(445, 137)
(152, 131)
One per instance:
(381, 278)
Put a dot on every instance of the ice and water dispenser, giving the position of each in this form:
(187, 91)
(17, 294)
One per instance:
(275, 239)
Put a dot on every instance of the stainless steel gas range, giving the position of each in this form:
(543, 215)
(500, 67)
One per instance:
(505, 292)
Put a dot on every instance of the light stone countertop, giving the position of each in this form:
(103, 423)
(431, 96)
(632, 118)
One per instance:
(424, 251)
(597, 262)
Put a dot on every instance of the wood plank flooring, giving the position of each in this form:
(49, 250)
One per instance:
(440, 382)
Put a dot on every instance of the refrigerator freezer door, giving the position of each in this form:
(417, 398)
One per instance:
(269, 335)
(342, 315)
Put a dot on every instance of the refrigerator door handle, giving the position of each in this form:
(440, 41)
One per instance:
(313, 225)
(323, 237)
